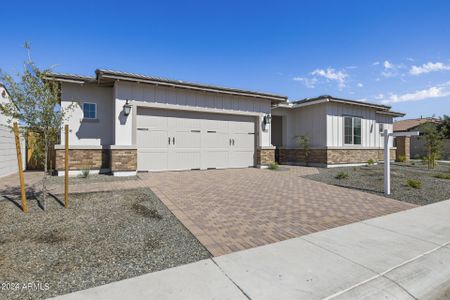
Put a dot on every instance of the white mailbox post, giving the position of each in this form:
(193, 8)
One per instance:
(387, 154)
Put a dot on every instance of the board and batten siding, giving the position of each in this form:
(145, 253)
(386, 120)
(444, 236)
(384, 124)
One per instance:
(370, 122)
(308, 120)
(182, 98)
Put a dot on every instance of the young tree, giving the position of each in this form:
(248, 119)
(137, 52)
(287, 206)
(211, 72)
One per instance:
(433, 135)
(445, 125)
(34, 101)
(303, 142)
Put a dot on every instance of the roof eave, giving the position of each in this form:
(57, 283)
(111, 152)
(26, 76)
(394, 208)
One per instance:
(103, 74)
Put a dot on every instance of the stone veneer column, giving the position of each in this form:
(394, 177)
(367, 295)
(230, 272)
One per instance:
(123, 160)
(403, 144)
(265, 156)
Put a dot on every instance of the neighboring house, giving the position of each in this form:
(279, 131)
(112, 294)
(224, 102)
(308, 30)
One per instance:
(340, 131)
(416, 145)
(8, 155)
(127, 122)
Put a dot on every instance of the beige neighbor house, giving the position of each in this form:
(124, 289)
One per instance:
(124, 123)
(414, 147)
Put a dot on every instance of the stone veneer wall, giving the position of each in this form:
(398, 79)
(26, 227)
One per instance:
(333, 156)
(316, 156)
(123, 160)
(93, 159)
(265, 156)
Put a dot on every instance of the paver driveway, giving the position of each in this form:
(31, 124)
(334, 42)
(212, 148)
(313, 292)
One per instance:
(236, 209)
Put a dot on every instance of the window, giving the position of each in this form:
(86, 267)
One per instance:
(352, 130)
(90, 110)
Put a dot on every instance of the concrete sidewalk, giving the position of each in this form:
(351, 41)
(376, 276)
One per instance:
(405, 255)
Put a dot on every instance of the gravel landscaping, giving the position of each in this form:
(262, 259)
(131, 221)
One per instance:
(101, 238)
(370, 179)
(90, 179)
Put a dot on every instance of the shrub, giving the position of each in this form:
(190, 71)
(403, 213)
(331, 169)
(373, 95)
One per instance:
(370, 162)
(342, 175)
(442, 176)
(401, 158)
(85, 172)
(273, 166)
(414, 183)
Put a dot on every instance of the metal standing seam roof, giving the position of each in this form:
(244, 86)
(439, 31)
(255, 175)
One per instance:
(104, 74)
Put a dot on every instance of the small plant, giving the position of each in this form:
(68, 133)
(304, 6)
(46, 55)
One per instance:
(273, 166)
(85, 172)
(342, 175)
(414, 183)
(370, 162)
(401, 158)
(303, 142)
(442, 176)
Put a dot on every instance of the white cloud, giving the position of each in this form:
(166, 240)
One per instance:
(376, 63)
(390, 69)
(308, 82)
(432, 92)
(428, 67)
(332, 75)
(360, 84)
(387, 65)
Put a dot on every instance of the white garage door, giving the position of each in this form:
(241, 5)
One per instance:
(8, 157)
(180, 140)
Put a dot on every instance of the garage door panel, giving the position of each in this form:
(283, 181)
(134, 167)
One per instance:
(187, 139)
(149, 160)
(153, 139)
(243, 141)
(217, 159)
(184, 160)
(214, 140)
(241, 158)
(202, 140)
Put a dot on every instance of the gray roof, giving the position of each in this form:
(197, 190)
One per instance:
(335, 99)
(109, 76)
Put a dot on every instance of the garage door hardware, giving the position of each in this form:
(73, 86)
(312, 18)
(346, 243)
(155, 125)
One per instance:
(211, 131)
(173, 140)
(146, 129)
(195, 130)
(231, 142)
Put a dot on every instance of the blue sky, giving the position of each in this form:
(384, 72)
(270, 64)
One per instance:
(390, 52)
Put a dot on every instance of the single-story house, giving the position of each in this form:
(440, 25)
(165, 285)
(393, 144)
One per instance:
(8, 154)
(414, 147)
(124, 123)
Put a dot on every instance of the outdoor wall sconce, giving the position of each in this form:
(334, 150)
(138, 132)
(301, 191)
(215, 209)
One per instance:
(267, 119)
(127, 108)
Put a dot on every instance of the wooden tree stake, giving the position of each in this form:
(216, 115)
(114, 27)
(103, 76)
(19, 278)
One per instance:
(20, 165)
(66, 166)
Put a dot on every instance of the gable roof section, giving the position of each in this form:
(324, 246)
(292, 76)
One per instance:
(108, 77)
(405, 125)
(328, 98)
(380, 109)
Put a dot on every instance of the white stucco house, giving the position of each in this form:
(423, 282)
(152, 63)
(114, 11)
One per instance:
(124, 123)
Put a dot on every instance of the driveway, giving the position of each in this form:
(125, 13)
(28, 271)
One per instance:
(237, 209)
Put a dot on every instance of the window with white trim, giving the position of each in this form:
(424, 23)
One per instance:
(89, 110)
(352, 131)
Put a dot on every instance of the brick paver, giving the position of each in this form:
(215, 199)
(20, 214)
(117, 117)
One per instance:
(236, 209)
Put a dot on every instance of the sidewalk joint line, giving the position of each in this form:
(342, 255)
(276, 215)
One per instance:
(229, 278)
(382, 274)
(400, 233)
